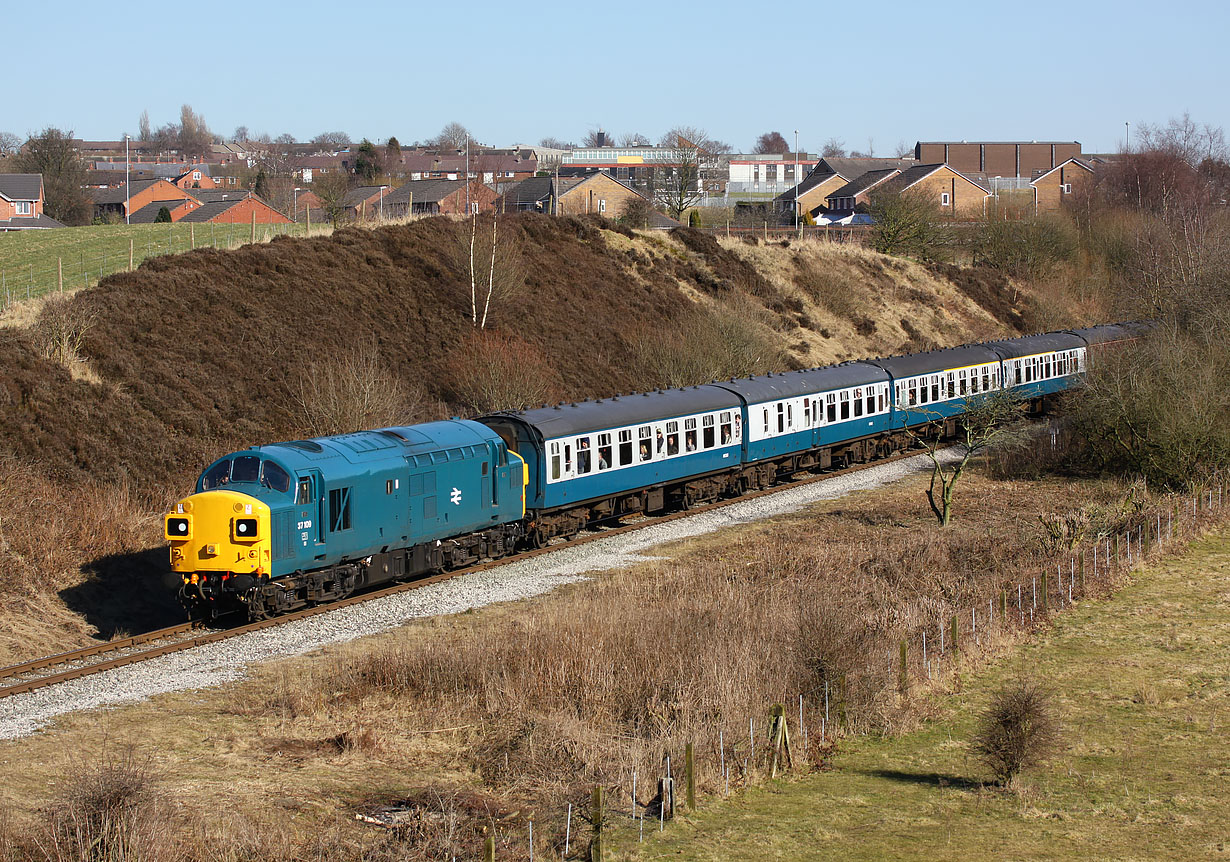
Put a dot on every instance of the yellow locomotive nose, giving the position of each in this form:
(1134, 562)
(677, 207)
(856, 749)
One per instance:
(219, 531)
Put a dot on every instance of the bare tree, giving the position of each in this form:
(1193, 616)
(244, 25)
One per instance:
(492, 263)
(834, 148)
(9, 143)
(633, 139)
(555, 144)
(240, 134)
(165, 138)
(143, 128)
(332, 189)
(53, 155)
(987, 419)
(194, 135)
(598, 138)
(453, 136)
(903, 150)
(771, 142)
(496, 371)
(694, 168)
(350, 392)
(909, 224)
(1182, 136)
(331, 141)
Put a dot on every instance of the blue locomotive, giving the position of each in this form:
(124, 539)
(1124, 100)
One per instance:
(278, 527)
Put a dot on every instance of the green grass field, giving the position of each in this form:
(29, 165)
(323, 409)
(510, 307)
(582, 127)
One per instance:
(1142, 682)
(31, 261)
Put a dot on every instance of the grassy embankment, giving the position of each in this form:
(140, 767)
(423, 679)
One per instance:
(1142, 688)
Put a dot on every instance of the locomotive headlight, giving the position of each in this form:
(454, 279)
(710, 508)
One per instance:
(179, 527)
(246, 530)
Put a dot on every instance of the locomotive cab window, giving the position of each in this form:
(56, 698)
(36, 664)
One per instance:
(303, 494)
(217, 476)
(274, 477)
(247, 468)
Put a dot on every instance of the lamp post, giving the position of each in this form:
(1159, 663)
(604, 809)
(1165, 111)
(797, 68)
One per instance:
(127, 190)
(467, 174)
(1127, 140)
(297, 190)
(796, 180)
(382, 188)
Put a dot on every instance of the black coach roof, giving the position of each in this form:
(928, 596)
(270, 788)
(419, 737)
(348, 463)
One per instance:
(772, 387)
(1030, 345)
(621, 411)
(1105, 332)
(936, 360)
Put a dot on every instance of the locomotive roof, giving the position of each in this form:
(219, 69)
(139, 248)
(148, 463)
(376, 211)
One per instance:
(1031, 344)
(582, 417)
(361, 446)
(771, 387)
(936, 360)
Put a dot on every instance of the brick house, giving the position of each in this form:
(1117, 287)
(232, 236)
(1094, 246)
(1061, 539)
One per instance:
(148, 214)
(955, 194)
(535, 194)
(1055, 186)
(196, 178)
(829, 175)
(997, 158)
(21, 203)
(366, 201)
(598, 193)
(135, 196)
(437, 197)
(236, 210)
(856, 192)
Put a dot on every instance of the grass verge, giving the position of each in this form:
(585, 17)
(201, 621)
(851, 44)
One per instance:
(1143, 687)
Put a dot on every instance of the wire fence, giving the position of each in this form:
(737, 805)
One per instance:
(803, 728)
(84, 267)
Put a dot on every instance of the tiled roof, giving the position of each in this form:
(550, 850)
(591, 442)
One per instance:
(38, 222)
(21, 187)
(119, 194)
(424, 191)
(528, 191)
(213, 195)
(354, 197)
(860, 184)
(208, 211)
(149, 213)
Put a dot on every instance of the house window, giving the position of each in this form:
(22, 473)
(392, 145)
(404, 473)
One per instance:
(944, 199)
(1066, 188)
(24, 208)
(601, 205)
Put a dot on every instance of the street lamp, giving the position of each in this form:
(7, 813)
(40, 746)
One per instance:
(127, 190)
(382, 188)
(1127, 140)
(796, 180)
(297, 190)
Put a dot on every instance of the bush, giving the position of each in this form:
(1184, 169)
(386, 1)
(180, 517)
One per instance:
(352, 391)
(163, 217)
(1028, 248)
(635, 212)
(694, 218)
(1017, 730)
(494, 371)
(908, 225)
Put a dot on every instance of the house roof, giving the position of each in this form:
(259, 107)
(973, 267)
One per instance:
(121, 193)
(21, 187)
(148, 213)
(864, 182)
(989, 143)
(354, 197)
(213, 195)
(918, 173)
(209, 211)
(1080, 163)
(529, 191)
(424, 191)
(568, 184)
(26, 223)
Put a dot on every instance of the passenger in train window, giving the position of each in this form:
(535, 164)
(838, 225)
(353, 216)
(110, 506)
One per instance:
(583, 455)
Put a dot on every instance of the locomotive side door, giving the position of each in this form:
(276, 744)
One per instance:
(309, 503)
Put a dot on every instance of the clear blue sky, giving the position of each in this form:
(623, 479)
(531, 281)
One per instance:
(516, 72)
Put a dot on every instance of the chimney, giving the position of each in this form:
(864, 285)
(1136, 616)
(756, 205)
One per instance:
(601, 138)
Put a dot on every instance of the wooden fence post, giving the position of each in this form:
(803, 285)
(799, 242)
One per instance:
(1003, 605)
(489, 849)
(779, 740)
(60, 268)
(903, 681)
(689, 766)
(192, 235)
(1082, 571)
(253, 226)
(596, 817)
(953, 631)
(1045, 600)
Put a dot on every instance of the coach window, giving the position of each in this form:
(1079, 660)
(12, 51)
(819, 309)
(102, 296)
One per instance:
(845, 404)
(672, 438)
(986, 378)
(858, 402)
(555, 461)
(952, 385)
(645, 436)
(689, 434)
(604, 451)
(935, 387)
(883, 397)
(781, 417)
(567, 458)
(973, 382)
(913, 390)
(832, 407)
(625, 447)
(725, 427)
(583, 459)
(806, 412)
(961, 381)
(708, 438)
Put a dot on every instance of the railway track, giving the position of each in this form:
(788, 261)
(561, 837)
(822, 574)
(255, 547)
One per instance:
(42, 672)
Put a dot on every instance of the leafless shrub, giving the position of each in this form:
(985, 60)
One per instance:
(730, 340)
(61, 329)
(352, 392)
(1064, 530)
(111, 811)
(1018, 729)
(494, 371)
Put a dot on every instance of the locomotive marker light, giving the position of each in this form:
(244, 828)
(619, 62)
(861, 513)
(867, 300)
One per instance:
(179, 527)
